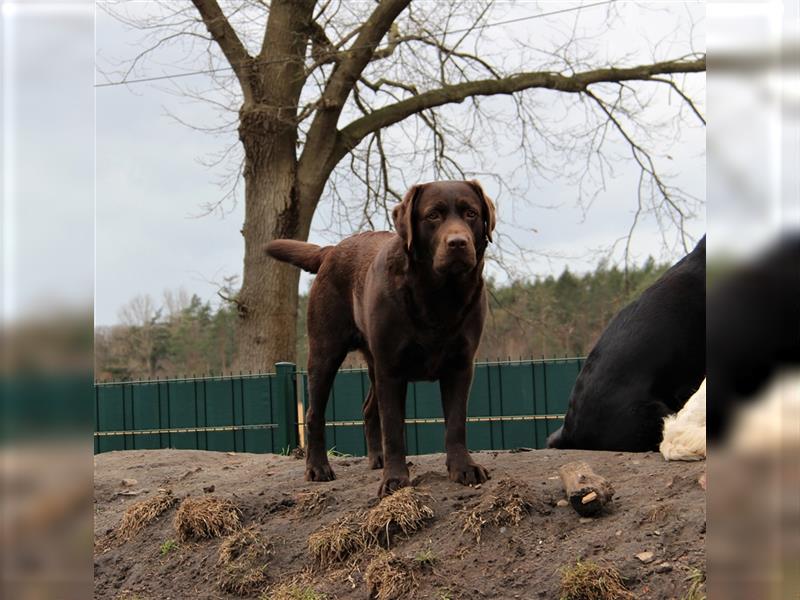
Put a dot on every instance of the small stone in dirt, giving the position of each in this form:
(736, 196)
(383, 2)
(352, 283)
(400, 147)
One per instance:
(585, 520)
(702, 481)
(478, 486)
(562, 503)
(645, 557)
(502, 530)
(618, 533)
(664, 567)
(209, 489)
(129, 482)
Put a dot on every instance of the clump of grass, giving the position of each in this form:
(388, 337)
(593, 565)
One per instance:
(168, 546)
(207, 517)
(334, 453)
(141, 514)
(507, 504)
(312, 503)
(425, 558)
(696, 579)
(592, 581)
(403, 512)
(293, 591)
(390, 577)
(337, 541)
(243, 557)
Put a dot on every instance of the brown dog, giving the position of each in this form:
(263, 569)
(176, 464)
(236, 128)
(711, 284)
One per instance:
(414, 304)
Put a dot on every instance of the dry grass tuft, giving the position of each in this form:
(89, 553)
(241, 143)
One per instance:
(592, 581)
(389, 577)
(207, 517)
(696, 579)
(337, 541)
(140, 515)
(292, 590)
(403, 512)
(312, 503)
(507, 504)
(243, 557)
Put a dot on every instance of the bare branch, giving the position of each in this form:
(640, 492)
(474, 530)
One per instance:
(221, 30)
(351, 135)
(319, 141)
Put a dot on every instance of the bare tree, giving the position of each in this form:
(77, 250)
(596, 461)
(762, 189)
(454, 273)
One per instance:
(140, 317)
(314, 88)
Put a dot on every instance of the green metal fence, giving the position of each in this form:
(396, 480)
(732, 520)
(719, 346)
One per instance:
(246, 413)
(511, 404)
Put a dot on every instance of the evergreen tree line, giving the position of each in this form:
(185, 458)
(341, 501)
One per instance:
(546, 317)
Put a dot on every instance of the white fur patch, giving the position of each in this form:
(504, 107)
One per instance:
(770, 422)
(685, 432)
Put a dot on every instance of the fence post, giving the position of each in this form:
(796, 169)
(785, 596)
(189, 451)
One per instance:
(284, 406)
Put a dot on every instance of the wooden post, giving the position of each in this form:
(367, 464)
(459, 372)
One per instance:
(587, 491)
(284, 408)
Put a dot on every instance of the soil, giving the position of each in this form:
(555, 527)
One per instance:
(658, 508)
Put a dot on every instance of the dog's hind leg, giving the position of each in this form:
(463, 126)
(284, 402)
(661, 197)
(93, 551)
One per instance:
(372, 423)
(330, 337)
(322, 366)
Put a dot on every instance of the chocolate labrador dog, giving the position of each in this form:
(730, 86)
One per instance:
(414, 303)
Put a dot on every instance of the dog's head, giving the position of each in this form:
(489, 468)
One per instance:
(446, 223)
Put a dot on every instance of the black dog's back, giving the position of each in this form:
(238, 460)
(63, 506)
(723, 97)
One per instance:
(753, 329)
(646, 364)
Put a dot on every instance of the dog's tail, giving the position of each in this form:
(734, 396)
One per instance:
(307, 256)
(556, 439)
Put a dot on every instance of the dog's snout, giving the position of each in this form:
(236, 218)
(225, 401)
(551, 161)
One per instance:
(457, 241)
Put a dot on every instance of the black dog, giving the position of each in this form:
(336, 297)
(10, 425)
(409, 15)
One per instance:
(645, 366)
(753, 329)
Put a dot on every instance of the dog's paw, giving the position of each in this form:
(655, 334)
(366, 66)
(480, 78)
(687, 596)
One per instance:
(320, 472)
(391, 484)
(375, 461)
(468, 473)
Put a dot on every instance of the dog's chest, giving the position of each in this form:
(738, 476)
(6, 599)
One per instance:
(427, 360)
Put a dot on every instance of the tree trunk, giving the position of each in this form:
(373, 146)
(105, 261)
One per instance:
(267, 302)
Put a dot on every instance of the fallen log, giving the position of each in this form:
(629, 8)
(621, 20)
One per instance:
(586, 491)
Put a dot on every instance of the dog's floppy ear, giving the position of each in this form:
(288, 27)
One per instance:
(403, 215)
(488, 208)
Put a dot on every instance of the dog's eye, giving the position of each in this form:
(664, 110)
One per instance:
(433, 215)
(472, 214)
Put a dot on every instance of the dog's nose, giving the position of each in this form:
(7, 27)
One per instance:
(457, 242)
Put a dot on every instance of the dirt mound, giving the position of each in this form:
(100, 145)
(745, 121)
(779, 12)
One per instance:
(506, 505)
(293, 540)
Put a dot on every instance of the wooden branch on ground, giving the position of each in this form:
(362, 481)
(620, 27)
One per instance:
(587, 491)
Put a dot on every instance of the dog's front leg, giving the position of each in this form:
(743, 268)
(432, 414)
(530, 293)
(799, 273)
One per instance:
(455, 391)
(391, 395)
